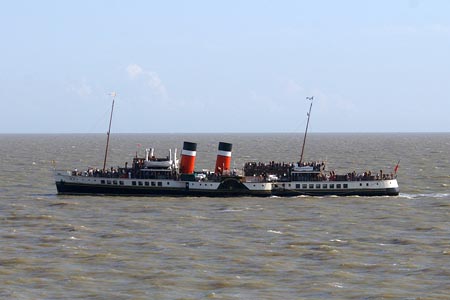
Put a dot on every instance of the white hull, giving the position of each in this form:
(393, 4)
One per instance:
(227, 186)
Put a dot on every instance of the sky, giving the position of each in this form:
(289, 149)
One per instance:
(224, 66)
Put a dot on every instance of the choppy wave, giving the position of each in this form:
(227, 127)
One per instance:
(65, 247)
(424, 195)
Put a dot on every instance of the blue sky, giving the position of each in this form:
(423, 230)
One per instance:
(225, 66)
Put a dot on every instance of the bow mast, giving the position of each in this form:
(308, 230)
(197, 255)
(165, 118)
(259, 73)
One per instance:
(113, 94)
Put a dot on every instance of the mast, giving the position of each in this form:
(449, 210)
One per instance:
(306, 130)
(113, 94)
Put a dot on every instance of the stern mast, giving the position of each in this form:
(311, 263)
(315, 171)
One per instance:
(306, 130)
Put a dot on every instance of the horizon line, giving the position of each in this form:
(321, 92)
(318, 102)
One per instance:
(231, 132)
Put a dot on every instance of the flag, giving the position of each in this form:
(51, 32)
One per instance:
(396, 168)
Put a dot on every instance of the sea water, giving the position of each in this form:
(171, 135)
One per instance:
(103, 247)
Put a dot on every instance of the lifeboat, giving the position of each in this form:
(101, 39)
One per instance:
(157, 164)
(151, 162)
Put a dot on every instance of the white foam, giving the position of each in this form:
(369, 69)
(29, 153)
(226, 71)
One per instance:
(424, 195)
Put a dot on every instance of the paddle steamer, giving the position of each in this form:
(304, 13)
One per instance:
(170, 176)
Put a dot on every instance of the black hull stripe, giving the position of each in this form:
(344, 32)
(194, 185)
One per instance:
(70, 188)
(66, 188)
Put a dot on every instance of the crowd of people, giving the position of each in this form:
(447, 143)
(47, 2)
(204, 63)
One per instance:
(283, 171)
(368, 175)
(280, 169)
(316, 165)
(264, 169)
(111, 173)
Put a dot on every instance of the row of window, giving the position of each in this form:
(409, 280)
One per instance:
(323, 186)
(319, 186)
(140, 183)
(297, 186)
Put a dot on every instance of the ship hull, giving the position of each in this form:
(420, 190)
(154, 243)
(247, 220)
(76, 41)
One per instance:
(349, 192)
(227, 187)
(388, 187)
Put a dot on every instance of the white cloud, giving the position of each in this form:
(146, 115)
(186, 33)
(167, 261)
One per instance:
(82, 89)
(409, 30)
(438, 28)
(156, 84)
(334, 103)
(413, 3)
(134, 71)
(292, 87)
(151, 78)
